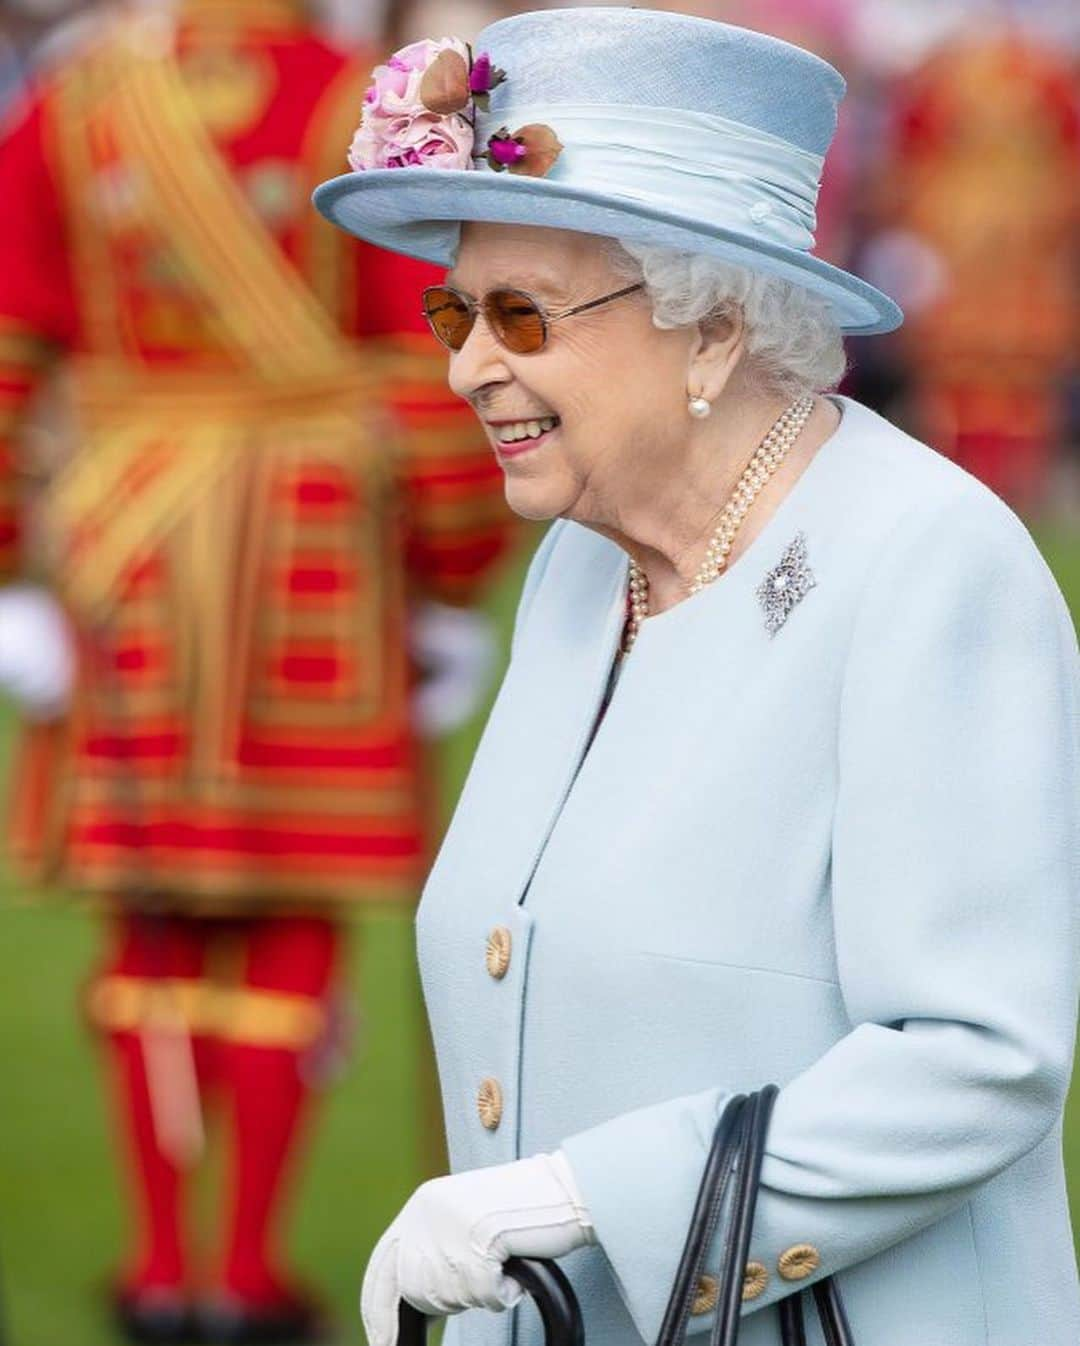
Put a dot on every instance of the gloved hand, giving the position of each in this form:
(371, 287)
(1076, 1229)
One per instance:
(37, 658)
(455, 651)
(445, 1250)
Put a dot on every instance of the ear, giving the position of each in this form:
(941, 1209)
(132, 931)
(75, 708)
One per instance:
(715, 350)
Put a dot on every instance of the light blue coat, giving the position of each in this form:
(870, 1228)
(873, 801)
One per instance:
(843, 858)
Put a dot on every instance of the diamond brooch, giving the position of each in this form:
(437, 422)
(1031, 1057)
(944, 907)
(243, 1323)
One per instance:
(786, 584)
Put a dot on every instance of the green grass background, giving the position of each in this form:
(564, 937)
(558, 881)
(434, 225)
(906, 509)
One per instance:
(60, 1212)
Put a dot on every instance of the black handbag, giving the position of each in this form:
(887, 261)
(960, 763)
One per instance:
(729, 1185)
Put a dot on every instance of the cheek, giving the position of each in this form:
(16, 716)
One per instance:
(618, 394)
(643, 367)
(626, 392)
(601, 377)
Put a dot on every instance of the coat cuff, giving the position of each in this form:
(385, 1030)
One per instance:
(654, 1195)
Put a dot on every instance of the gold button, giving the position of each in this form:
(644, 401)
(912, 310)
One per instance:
(799, 1262)
(755, 1279)
(497, 957)
(705, 1295)
(489, 1104)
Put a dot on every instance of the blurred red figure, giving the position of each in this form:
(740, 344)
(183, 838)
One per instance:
(268, 469)
(984, 182)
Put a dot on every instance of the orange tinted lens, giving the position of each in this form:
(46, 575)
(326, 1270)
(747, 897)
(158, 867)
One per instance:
(515, 320)
(449, 317)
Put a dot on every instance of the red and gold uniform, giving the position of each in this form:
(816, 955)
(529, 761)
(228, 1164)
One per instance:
(268, 467)
(986, 173)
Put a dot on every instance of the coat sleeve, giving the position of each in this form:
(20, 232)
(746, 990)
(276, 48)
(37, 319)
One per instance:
(458, 524)
(956, 871)
(37, 307)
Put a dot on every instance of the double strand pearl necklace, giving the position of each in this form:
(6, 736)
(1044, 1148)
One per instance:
(768, 456)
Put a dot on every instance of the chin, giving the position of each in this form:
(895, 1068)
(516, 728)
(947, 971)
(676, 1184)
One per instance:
(537, 501)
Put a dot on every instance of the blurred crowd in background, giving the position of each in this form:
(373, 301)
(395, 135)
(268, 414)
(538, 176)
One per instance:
(954, 185)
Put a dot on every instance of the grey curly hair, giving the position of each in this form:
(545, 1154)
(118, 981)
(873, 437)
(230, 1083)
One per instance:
(794, 345)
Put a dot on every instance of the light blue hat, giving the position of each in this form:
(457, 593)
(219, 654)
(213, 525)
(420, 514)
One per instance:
(675, 130)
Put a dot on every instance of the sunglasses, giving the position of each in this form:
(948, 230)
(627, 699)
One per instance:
(516, 319)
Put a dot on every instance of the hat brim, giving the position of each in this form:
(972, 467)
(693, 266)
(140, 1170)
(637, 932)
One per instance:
(419, 212)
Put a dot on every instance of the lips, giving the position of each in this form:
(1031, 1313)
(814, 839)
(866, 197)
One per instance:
(517, 436)
(515, 448)
(530, 427)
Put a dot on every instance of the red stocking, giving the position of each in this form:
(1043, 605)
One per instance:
(146, 951)
(295, 958)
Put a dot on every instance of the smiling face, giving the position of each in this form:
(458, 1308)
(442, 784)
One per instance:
(616, 384)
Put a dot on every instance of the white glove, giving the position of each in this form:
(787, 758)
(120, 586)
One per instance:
(37, 658)
(455, 650)
(445, 1250)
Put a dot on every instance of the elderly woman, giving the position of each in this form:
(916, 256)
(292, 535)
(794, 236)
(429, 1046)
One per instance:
(782, 781)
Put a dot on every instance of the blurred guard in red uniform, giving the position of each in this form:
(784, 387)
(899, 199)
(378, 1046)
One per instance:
(268, 469)
(984, 187)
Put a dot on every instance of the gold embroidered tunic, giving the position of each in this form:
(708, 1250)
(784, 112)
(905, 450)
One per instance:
(268, 466)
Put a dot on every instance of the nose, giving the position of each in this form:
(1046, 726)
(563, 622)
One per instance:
(481, 361)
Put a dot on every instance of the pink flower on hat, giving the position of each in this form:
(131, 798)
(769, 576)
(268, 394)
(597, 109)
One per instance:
(482, 74)
(432, 142)
(483, 78)
(399, 129)
(395, 88)
(531, 150)
(419, 112)
(426, 140)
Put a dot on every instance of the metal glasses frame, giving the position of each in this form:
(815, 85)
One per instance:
(475, 306)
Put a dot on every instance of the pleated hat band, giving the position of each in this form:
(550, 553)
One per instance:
(729, 173)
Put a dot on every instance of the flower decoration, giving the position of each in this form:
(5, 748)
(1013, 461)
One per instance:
(445, 86)
(483, 77)
(400, 129)
(420, 111)
(532, 150)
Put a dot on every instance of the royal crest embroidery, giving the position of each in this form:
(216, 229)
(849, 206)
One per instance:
(786, 584)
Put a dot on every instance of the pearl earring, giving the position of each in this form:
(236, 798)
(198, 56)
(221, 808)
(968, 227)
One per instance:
(699, 407)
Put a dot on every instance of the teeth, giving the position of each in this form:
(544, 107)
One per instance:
(512, 434)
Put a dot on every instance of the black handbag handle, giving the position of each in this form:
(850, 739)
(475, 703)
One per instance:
(703, 1223)
(741, 1225)
(834, 1321)
(543, 1280)
(830, 1307)
(734, 1168)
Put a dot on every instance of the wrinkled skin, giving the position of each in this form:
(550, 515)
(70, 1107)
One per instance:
(627, 458)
